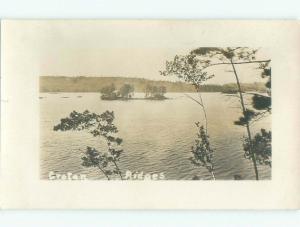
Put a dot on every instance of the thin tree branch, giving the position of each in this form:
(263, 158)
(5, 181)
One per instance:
(103, 172)
(120, 174)
(204, 111)
(193, 99)
(247, 123)
(260, 116)
(205, 116)
(238, 63)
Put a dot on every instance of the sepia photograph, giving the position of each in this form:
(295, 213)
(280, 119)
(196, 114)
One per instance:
(150, 114)
(115, 105)
(122, 113)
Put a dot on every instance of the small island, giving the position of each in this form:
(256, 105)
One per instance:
(126, 92)
(155, 92)
(110, 92)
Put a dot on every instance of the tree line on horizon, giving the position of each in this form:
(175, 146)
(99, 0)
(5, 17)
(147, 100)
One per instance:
(95, 84)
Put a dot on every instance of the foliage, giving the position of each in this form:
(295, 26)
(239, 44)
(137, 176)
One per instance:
(187, 68)
(261, 102)
(261, 147)
(109, 92)
(202, 151)
(239, 55)
(155, 92)
(126, 91)
(261, 143)
(235, 54)
(244, 55)
(101, 126)
(246, 118)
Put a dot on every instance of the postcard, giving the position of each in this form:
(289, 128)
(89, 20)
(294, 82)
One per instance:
(150, 114)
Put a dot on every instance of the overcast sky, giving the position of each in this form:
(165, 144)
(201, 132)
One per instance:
(120, 48)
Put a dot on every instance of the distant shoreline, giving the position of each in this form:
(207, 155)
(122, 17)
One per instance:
(60, 84)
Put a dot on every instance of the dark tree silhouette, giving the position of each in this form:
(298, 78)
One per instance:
(109, 92)
(193, 69)
(126, 91)
(261, 143)
(101, 126)
(261, 146)
(234, 56)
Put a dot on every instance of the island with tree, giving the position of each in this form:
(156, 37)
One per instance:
(155, 92)
(126, 92)
(110, 92)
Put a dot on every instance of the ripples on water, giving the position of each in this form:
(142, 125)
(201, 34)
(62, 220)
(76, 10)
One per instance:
(157, 135)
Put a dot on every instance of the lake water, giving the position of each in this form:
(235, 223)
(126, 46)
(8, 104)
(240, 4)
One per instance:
(157, 135)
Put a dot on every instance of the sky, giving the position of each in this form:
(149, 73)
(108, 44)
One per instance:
(121, 48)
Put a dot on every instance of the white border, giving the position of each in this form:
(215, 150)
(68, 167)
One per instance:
(184, 9)
(22, 187)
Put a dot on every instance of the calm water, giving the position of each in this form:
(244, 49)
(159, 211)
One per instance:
(157, 135)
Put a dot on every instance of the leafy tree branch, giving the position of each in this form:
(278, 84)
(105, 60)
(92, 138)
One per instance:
(187, 68)
(102, 126)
